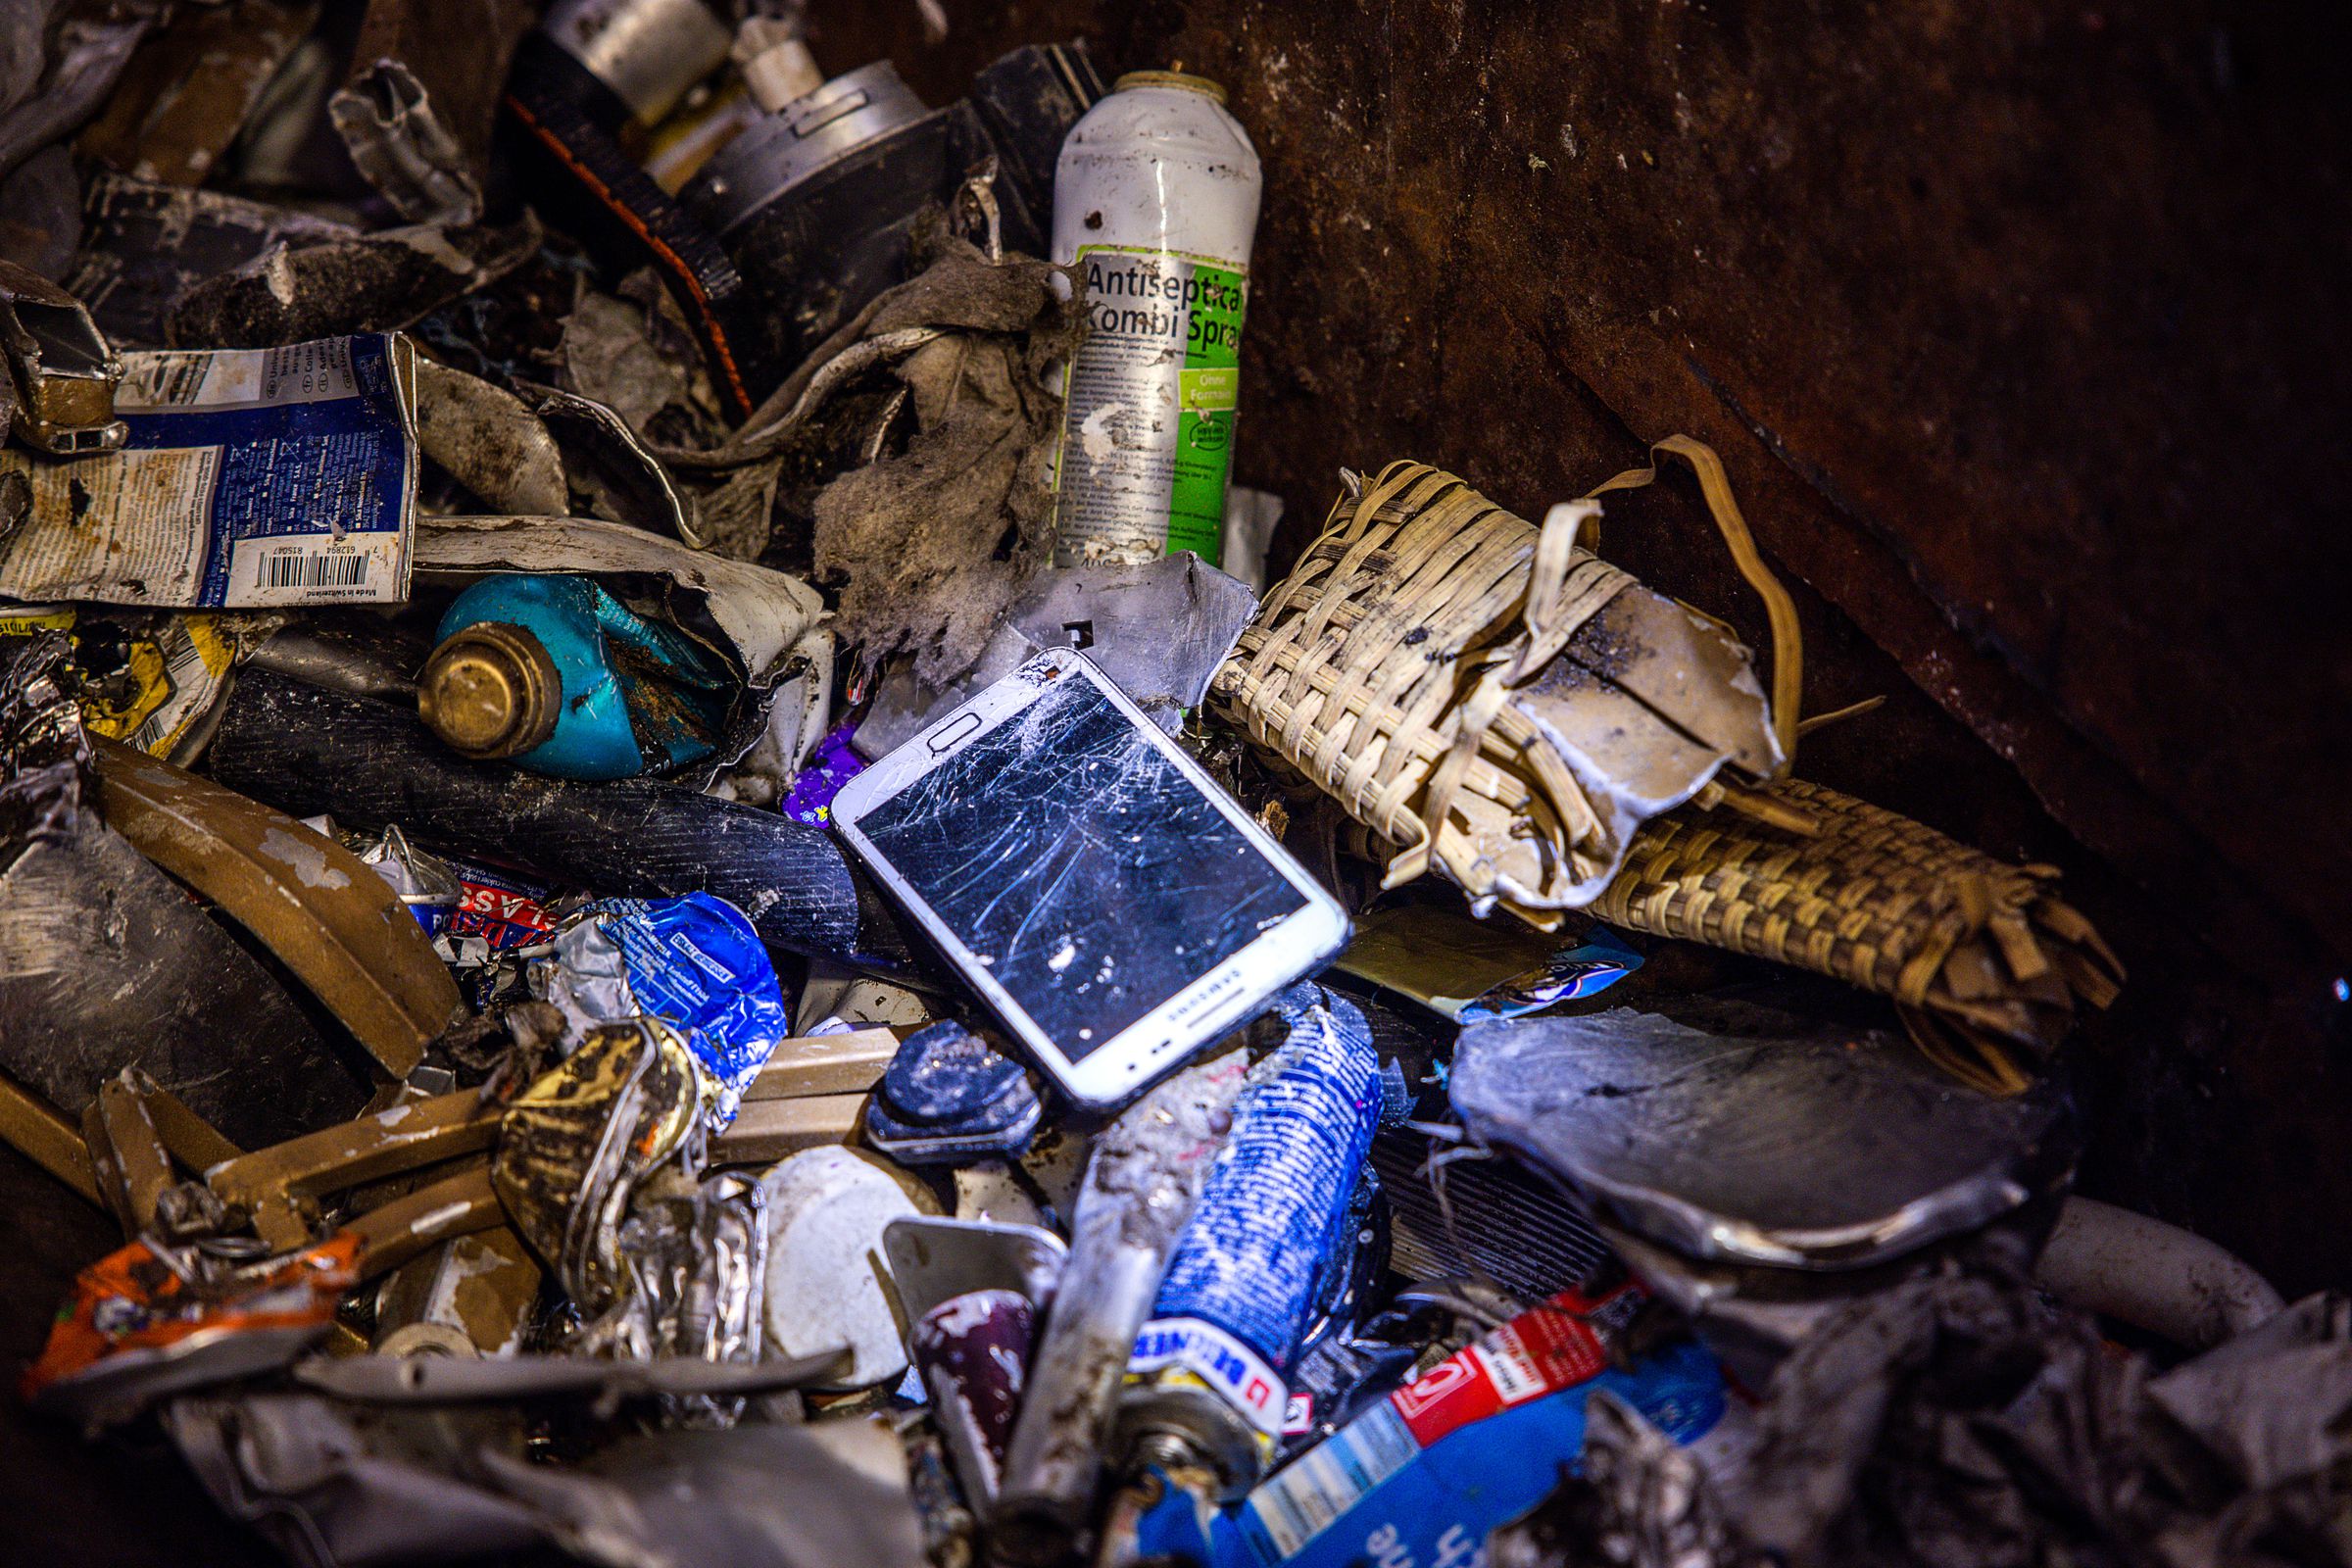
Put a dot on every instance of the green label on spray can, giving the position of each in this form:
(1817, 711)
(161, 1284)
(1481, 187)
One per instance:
(1148, 433)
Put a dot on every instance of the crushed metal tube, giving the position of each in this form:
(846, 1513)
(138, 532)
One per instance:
(646, 978)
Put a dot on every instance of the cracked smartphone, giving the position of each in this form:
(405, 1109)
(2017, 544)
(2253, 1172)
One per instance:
(1114, 907)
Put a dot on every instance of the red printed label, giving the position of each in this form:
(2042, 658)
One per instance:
(1542, 1350)
(505, 915)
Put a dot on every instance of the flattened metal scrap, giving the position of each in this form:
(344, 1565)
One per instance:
(128, 1151)
(65, 372)
(849, 1062)
(768, 1130)
(1752, 1135)
(456, 1206)
(330, 919)
(415, 110)
(402, 1139)
(33, 1128)
(105, 964)
(575, 1145)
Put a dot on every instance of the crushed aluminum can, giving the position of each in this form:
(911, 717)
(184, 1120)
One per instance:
(575, 1145)
(1207, 1369)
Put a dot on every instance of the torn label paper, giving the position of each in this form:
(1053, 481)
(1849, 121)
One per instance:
(251, 478)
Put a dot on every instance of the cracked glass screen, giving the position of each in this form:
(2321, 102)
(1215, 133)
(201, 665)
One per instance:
(1092, 879)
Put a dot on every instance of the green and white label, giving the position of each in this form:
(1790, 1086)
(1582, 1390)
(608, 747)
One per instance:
(1148, 433)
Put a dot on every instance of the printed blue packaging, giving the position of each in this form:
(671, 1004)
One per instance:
(250, 478)
(693, 960)
(1244, 1274)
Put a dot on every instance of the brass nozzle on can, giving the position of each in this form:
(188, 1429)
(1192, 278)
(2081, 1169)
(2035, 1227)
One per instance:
(490, 690)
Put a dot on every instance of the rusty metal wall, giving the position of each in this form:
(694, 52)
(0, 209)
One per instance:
(2021, 326)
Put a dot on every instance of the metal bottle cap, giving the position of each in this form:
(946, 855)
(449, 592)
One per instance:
(1170, 78)
(490, 691)
(806, 136)
(649, 51)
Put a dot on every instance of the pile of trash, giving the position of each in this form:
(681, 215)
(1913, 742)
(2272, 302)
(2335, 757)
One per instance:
(665, 849)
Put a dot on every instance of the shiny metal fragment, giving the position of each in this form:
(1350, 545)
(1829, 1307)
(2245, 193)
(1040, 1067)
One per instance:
(63, 369)
(1736, 1132)
(574, 1145)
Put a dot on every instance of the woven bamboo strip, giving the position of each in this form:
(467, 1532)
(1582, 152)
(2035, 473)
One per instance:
(1983, 956)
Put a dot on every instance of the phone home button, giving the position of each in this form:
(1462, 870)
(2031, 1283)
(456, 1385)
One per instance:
(955, 730)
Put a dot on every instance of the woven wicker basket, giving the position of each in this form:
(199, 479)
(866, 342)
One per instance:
(1404, 669)
(1983, 956)
(1496, 699)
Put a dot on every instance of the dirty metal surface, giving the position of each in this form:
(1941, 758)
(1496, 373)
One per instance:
(2013, 324)
(1736, 1132)
(99, 952)
(333, 921)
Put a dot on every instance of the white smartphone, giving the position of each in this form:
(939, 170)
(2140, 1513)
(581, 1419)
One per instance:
(1116, 908)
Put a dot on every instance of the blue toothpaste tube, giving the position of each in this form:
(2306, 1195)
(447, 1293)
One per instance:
(1207, 1369)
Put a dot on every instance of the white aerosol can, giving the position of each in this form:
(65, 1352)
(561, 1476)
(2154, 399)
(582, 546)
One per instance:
(1154, 201)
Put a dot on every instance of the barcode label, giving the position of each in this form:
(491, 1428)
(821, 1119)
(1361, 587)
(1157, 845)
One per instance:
(185, 675)
(302, 569)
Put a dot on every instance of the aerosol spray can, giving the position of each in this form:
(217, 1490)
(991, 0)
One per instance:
(1205, 1389)
(1154, 201)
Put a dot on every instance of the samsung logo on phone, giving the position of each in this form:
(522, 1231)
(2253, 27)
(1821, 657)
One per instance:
(1211, 988)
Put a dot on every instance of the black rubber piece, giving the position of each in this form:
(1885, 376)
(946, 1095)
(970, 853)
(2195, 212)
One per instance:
(365, 762)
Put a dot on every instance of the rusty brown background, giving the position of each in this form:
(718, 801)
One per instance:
(2022, 327)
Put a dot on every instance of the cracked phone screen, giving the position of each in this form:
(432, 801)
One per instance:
(1094, 880)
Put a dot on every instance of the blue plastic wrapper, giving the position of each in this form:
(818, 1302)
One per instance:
(1569, 975)
(696, 962)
